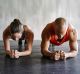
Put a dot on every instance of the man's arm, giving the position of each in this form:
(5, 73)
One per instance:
(28, 46)
(45, 45)
(73, 44)
(44, 48)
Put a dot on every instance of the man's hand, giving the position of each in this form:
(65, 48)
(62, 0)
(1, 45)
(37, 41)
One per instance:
(55, 55)
(59, 55)
(63, 55)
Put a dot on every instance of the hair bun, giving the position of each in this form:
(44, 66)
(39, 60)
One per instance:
(17, 21)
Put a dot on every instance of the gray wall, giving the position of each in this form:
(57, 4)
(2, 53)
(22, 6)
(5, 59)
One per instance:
(37, 13)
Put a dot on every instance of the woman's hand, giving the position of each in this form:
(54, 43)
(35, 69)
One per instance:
(13, 53)
(17, 54)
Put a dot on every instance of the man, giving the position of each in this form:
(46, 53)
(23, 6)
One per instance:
(17, 31)
(57, 33)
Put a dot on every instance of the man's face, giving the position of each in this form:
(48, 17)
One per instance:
(16, 36)
(60, 28)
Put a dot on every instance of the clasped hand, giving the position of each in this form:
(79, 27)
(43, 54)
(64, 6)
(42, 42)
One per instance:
(14, 54)
(58, 55)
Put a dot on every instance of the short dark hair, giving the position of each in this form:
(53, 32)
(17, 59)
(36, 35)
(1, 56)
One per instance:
(15, 26)
(60, 20)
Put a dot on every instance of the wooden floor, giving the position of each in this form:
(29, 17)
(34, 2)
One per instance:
(36, 64)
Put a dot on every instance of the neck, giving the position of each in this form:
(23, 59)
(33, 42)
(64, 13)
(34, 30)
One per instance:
(22, 28)
(61, 35)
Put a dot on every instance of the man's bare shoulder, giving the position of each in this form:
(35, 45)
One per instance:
(48, 27)
(46, 33)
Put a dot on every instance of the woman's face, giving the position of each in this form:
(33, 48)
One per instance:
(16, 36)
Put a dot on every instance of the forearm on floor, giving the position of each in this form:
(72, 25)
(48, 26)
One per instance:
(25, 53)
(47, 53)
(72, 54)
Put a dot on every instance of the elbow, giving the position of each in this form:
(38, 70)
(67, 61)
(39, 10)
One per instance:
(29, 52)
(43, 52)
(75, 53)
